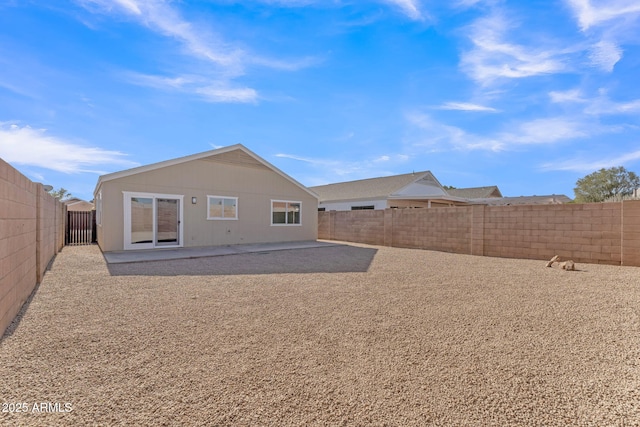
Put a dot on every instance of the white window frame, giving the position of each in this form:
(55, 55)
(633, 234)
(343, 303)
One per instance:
(218, 218)
(286, 217)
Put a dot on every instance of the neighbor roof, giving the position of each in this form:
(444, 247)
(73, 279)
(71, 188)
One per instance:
(476, 192)
(553, 199)
(235, 154)
(376, 188)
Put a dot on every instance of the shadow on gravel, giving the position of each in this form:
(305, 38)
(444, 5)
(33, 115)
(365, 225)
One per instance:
(332, 259)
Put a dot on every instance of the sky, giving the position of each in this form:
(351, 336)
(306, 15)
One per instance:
(527, 95)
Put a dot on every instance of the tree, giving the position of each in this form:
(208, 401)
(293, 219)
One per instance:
(60, 194)
(606, 183)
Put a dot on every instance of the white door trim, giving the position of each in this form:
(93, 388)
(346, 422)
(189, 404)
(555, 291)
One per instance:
(127, 195)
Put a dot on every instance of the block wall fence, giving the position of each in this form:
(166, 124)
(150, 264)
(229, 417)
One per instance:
(597, 233)
(31, 233)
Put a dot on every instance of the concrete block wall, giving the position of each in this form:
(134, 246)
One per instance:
(582, 232)
(366, 226)
(444, 229)
(31, 233)
(631, 232)
(600, 233)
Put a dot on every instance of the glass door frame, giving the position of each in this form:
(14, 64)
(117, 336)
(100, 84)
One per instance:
(127, 196)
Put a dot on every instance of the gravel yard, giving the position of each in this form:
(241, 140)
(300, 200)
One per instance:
(339, 336)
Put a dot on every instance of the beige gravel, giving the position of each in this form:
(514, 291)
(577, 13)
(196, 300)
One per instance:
(335, 336)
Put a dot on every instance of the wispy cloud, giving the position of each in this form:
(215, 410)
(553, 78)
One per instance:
(208, 90)
(598, 106)
(223, 61)
(465, 106)
(546, 131)
(605, 55)
(33, 147)
(494, 56)
(441, 137)
(160, 17)
(573, 95)
(410, 8)
(348, 169)
(584, 165)
(437, 136)
(590, 15)
(608, 24)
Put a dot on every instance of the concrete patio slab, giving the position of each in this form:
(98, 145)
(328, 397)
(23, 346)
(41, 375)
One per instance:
(121, 257)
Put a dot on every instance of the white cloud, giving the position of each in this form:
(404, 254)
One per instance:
(217, 93)
(160, 17)
(574, 95)
(582, 165)
(594, 13)
(348, 169)
(611, 23)
(223, 61)
(411, 8)
(130, 5)
(604, 106)
(428, 133)
(494, 56)
(33, 147)
(546, 131)
(596, 106)
(465, 106)
(210, 91)
(438, 136)
(605, 55)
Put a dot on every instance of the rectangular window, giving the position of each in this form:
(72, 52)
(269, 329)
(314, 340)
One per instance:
(362, 208)
(220, 207)
(285, 213)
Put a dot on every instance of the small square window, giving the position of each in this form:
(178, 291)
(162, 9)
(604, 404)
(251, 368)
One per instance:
(286, 213)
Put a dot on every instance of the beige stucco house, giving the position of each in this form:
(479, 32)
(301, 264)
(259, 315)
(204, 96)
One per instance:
(226, 196)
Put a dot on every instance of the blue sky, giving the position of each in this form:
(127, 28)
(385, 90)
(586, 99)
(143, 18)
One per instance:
(526, 95)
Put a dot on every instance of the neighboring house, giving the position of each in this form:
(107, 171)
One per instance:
(413, 190)
(554, 199)
(476, 192)
(78, 205)
(220, 197)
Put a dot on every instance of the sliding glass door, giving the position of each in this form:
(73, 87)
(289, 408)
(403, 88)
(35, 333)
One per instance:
(152, 220)
(167, 222)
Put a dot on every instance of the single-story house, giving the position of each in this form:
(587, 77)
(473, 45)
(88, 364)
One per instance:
(489, 192)
(78, 205)
(411, 190)
(415, 190)
(225, 196)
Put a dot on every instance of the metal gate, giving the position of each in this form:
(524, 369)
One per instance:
(81, 228)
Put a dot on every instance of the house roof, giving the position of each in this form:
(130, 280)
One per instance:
(395, 186)
(553, 199)
(476, 192)
(236, 154)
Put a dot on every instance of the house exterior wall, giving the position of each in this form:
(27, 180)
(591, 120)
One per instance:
(602, 233)
(346, 206)
(254, 186)
(381, 204)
